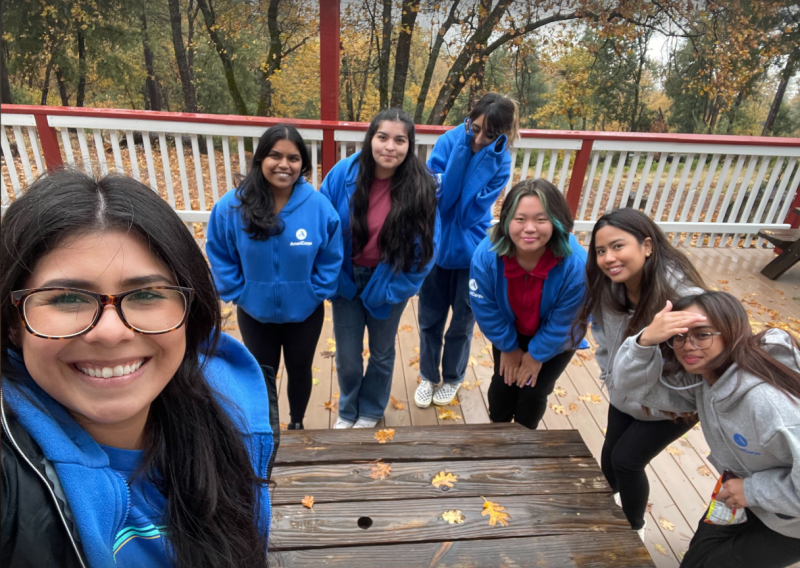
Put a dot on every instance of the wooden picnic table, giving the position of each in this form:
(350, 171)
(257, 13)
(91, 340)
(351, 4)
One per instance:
(560, 507)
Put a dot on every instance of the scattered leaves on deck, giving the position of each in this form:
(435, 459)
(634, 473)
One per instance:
(327, 303)
(573, 407)
(315, 370)
(666, 524)
(442, 478)
(406, 328)
(477, 335)
(385, 434)
(314, 381)
(577, 362)
(661, 550)
(447, 414)
(396, 403)
(380, 470)
(722, 281)
(414, 362)
(365, 354)
(558, 409)
(485, 350)
(496, 513)
(672, 450)
(591, 397)
(472, 361)
(487, 363)
(704, 471)
(558, 391)
(283, 425)
(308, 501)
(330, 405)
(471, 385)
(453, 517)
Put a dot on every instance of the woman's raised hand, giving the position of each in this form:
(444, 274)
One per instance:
(667, 324)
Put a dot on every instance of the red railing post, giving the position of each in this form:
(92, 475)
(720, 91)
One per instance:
(578, 173)
(49, 140)
(791, 217)
(329, 31)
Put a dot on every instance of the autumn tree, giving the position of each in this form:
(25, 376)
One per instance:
(183, 58)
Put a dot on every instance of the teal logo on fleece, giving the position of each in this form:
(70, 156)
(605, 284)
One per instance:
(127, 534)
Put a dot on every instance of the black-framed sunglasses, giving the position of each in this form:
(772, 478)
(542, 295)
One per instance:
(700, 339)
(62, 313)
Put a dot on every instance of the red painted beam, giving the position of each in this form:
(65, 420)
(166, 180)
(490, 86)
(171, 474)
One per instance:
(330, 39)
(578, 174)
(49, 140)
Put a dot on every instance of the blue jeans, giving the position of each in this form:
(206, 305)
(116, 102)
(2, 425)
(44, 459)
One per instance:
(364, 394)
(444, 288)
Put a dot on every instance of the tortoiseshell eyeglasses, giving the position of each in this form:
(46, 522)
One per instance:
(62, 313)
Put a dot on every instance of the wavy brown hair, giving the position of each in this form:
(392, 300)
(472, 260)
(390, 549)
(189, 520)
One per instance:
(742, 347)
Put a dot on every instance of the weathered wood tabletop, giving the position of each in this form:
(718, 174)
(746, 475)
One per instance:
(561, 511)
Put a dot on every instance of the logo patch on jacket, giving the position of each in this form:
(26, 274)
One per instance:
(473, 288)
(741, 441)
(301, 234)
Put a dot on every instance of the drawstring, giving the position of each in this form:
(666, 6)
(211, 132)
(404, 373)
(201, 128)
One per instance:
(669, 386)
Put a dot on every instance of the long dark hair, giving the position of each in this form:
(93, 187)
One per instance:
(257, 202)
(742, 347)
(501, 116)
(194, 453)
(655, 288)
(554, 205)
(412, 216)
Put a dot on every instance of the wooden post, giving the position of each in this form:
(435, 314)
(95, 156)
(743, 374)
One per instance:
(49, 140)
(329, 31)
(578, 173)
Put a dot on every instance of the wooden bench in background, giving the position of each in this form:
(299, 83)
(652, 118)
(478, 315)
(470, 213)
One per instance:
(561, 508)
(788, 240)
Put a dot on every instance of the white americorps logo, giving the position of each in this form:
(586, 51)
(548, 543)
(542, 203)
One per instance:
(473, 285)
(301, 234)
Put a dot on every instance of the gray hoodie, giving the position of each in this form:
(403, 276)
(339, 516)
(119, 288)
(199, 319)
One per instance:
(752, 428)
(608, 329)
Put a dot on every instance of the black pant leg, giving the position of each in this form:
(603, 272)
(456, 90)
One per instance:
(299, 343)
(618, 422)
(263, 340)
(532, 402)
(502, 398)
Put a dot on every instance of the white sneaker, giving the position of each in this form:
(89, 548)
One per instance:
(424, 394)
(618, 500)
(445, 394)
(365, 423)
(640, 531)
(342, 423)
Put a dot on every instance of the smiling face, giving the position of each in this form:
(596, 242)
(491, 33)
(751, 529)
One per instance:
(620, 256)
(108, 377)
(481, 137)
(694, 360)
(281, 166)
(530, 228)
(389, 147)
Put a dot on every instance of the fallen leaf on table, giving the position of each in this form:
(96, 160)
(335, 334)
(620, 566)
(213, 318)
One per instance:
(385, 434)
(283, 425)
(396, 403)
(308, 501)
(496, 513)
(442, 478)
(406, 328)
(453, 517)
(558, 409)
(704, 470)
(661, 550)
(666, 524)
(558, 391)
(330, 405)
(573, 407)
(672, 450)
(487, 363)
(315, 381)
(447, 415)
(380, 470)
(472, 361)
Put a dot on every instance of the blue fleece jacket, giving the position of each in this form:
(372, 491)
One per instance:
(98, 497)
(562, 296)
(386, 287)
(284, 278)
(469, 185)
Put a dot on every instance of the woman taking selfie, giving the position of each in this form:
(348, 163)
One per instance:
(133, 432)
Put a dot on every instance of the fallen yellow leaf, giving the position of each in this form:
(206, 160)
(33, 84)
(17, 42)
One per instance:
(406, 328)
(472, 361)
(558, 391)
(365, 354)
(672, 450)
(327, 303)
(573, 407)
(704, 470)
(661, 550)
(283, 426)
(330, 405)
(453, 517)
(414, 362)
(396, 403)
(315, 381)
(442, 478)
(496, 513)
(308, 501)
(416, 349)
(316, 370)
(447, 415)
(666, 524)
(385, 434)
(487, 363)
(380, 470)
(558, 409)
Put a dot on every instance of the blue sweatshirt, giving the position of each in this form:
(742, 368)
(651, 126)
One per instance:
(98, 496)
(562, 296)
(284, 278)
(386, 287)
(469, 185)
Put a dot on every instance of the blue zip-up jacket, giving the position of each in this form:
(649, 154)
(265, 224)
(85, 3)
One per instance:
(469, 185)
(386, 287)
(98, 497)
(562, 296)
(284, 278)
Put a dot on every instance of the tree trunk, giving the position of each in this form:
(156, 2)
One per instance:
(366, 76)
(62, 87)
(227, 63)
(153, 99)
(407, 20)
(347, 75)
(46, 84)
(189, 97)
(80, 94)
(5, 84)
(274, 57)
(385, 52)
(788, 70)
(434, 57)
(476, 84)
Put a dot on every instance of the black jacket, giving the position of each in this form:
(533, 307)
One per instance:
(36, 528)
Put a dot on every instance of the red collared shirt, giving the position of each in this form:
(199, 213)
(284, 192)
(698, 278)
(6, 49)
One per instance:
(525, 290)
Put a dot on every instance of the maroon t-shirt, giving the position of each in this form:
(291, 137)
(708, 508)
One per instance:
(379, 204)
(525, 290)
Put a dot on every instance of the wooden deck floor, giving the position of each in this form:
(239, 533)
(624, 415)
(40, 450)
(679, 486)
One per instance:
(681, 478)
